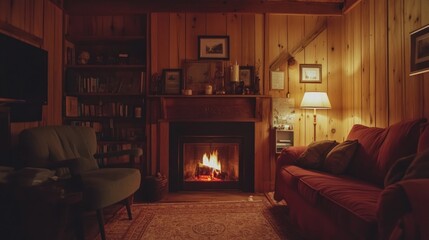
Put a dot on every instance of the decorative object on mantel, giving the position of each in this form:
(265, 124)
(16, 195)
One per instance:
(172, 81)
(419, 51)
(315, 100)
(310, 73)
(234, 76)
(247, 76)
(198, 74)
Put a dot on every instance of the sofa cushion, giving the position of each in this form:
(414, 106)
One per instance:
(351, 203)
(419, 168)
(424, 138)
(314, 156)
(291, 174)
(364, 163)
(338, 159)
(398, 169)
(401, 140)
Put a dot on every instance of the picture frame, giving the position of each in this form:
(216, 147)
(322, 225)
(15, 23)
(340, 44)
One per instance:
(172, 81)
(247, 76)
(198, 74)
(310, 73)
(213, 47)
(419, 43)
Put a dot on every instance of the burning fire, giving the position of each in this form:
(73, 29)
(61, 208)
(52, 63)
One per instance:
(212, 161)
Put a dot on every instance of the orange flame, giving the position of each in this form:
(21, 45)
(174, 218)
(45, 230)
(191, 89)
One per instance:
(212, 161)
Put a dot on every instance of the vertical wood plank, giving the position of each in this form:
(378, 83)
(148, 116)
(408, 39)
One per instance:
(347, 87)
(380, 55)
(424, 21)
(195, 25)
(234, 32)
(296, 89)
(163, 41)
(154, 42)
(366, 68)
(248, 40)
(413, 85)
(357, 65)
(396, 59)
(216, 24)
(334, 79)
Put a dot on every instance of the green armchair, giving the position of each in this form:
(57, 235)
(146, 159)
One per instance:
(71, 151)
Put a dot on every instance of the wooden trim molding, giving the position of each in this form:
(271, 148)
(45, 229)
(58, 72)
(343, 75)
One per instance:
(103, 7)
(21, 34)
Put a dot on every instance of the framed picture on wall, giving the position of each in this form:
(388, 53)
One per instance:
(310, 73)
(213, 47)
(171, 81)
(419, 51)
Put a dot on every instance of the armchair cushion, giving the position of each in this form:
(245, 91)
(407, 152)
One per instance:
(106, 186)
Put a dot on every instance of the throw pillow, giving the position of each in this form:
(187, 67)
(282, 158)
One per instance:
(398, 169)
(315, 154)
(419, 168)
(424, 138)
(339, 157)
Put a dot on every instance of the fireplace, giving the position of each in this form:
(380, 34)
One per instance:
(211, 155)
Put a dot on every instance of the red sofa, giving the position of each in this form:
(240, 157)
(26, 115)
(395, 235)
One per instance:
(356, 204)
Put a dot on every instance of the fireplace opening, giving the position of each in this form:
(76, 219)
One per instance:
(211, 156)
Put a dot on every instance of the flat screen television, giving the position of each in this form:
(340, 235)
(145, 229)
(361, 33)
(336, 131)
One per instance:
(23, 79)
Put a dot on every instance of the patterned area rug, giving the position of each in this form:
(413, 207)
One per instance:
(202, 220)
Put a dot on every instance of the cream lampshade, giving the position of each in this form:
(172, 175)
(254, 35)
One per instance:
(315, 100)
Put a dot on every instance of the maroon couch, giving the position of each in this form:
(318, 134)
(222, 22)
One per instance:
(356, 204)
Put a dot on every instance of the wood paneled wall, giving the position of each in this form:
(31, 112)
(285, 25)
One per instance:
(377, 89)
(257, 40)
(38, 22)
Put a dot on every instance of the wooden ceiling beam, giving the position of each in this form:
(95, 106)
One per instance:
(112, 7)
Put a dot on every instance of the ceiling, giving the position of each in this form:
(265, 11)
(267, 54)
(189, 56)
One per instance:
(306, 7)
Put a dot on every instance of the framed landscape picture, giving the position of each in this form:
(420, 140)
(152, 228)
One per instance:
(419, 51)
(213, 47)
(310, 73)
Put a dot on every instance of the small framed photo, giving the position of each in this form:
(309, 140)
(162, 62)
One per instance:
(247, 75)
(171, 81)
(213, 47)
(419, 51)
(310, 73)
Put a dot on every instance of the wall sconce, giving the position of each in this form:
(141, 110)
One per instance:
(315, 100)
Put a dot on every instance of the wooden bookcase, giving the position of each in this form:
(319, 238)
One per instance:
(105, 72)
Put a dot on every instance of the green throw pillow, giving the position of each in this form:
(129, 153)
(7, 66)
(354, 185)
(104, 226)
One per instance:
(314, 155)
(338, 159)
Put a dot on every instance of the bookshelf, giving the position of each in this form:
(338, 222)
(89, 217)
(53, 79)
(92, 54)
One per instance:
(105, 72)
(284, 139)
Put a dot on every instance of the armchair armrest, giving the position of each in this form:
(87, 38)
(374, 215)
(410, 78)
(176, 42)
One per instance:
(131, 153)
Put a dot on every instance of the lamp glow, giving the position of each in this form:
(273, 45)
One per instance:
(315, 100)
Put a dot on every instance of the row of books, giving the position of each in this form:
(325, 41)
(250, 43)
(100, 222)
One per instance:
(105, 148)
(128, 83)
(108, 109)
(109, 132)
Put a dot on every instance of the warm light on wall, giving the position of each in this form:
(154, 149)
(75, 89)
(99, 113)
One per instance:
(315, 100)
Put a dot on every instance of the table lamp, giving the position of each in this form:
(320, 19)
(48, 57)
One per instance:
(315, 100)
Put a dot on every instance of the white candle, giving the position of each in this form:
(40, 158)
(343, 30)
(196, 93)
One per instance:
(235, 73)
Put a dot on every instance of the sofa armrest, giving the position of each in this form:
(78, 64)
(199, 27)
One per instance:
(288, 156)
(402, 210)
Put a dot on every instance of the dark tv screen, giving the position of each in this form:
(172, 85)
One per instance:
(23, 78)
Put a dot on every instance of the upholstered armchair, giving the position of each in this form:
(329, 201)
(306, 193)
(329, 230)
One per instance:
(71, 151)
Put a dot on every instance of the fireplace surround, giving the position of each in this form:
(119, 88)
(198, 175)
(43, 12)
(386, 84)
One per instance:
(210, 110)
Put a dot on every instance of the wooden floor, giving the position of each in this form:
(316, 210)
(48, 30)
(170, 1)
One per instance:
(90, 220)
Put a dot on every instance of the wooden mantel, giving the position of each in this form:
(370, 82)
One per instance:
(214, 108)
